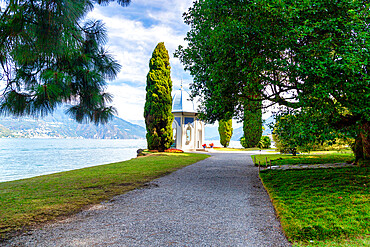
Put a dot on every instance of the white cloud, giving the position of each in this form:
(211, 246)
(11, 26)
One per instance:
(133, 33)
(129, 101)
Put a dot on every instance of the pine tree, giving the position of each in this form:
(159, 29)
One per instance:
(225, 129)
(158, 105)
(252, 124)
(51, 55)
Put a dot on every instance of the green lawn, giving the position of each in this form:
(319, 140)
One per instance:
(28, 202)
(313, 158)
(322, 207)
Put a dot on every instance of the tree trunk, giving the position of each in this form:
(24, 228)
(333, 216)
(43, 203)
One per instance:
(358, 149)
(361, 147)
(293, 151)
(365, 136)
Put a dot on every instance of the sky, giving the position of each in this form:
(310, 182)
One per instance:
(133, 33)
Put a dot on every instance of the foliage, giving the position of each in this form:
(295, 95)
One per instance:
(225, 130)
(243, 142)
(50, 55)
(300, 54)
(265, 142)
(304, 131)
(313, 158)
(252, 124)
(279, 146)
(321, 205)
(289, 134)
(158, 105)
(27, 202)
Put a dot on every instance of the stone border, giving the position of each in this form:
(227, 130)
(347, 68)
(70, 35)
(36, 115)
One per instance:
(309, 166)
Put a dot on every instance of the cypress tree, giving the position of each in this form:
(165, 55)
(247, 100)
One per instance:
(158, 105)
(225, 129)
(252, 124)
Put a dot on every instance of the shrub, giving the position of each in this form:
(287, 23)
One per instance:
(265, 142)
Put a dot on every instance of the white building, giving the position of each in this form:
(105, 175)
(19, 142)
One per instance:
(188, 130)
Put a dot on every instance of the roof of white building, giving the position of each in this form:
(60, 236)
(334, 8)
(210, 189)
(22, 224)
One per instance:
(181, 102)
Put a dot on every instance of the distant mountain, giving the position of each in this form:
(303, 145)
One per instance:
(237, 134)
(211, 131)
(59, 125)
(139, 122)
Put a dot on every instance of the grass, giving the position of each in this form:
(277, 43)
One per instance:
(322, 207)
(313, 158)
(29, 202)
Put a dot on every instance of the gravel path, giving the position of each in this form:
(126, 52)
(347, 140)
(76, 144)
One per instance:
(216, 202)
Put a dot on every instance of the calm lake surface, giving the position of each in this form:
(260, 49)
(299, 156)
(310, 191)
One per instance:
(25, 158)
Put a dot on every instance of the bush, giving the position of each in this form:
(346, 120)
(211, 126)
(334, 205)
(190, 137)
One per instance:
(283, 147)
(265, 142)
(243, 142)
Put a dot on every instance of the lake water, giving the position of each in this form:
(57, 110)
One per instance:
(232, 144)
(25, 158)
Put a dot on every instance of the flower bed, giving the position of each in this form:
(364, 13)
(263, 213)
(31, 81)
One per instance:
(173, 150)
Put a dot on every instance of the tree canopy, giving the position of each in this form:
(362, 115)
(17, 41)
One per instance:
(299, 54)
(51, 54)
(158, 105)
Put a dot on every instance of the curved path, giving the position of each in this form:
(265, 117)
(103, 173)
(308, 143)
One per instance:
(219, 201)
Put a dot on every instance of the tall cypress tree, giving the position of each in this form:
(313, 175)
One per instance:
(158, 105)
(225, 129)
(252, 124)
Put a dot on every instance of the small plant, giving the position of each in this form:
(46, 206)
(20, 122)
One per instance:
(211, 145)
(204, 145)
(173, 150)
(140, 152)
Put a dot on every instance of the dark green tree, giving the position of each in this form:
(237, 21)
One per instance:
(225, 129)
(252, 124)
(50, 55)
(158, 105)
(297, 54)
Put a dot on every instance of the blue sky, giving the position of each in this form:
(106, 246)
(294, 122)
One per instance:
(133, 33)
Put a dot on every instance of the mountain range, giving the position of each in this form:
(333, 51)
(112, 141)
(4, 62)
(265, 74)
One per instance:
(60, 125)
